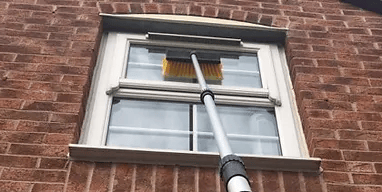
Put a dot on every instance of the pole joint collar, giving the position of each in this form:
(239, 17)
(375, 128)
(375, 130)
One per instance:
(206, 92)
(231, 166)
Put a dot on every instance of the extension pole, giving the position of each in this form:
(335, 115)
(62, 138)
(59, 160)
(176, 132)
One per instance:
(231, 166)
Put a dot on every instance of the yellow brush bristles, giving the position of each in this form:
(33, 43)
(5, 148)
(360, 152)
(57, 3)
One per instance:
(186, 70)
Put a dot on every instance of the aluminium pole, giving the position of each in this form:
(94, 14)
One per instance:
(231, 166)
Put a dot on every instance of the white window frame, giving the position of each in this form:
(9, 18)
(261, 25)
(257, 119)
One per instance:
(114, 64)
(108, 82)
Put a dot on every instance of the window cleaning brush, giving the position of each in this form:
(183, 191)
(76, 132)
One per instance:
(171, 67)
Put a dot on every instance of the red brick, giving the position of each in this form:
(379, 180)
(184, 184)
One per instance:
(338, 144)
(270, 181)
(307, 27)
(53, 163)
(363, 156)
(327, 154)
(7, 124)
(21, 137)
(303, 14)
(136, 8)
(25, 115)
(64, 118)
(334, 165)
(312, 182)
(373, 179)
(29, 34)
(291, 182)
(164, 179)
(238, 15)
(33, 175)
(375, 146)
(186, 179)
(372, 126)
(30, 126)
(253, 176)
(144, 175)
(376, 32)
(45, 187)
(327, 105)
(360, 116)
(346, 80)
(360, 135)
(121, 8)
(378, 167)
(266, 20)
(207, 180)
(10, 103)
(18, 161)
(79, 173)
(105, 7)
(58, 139)
(15, 186)
(55, 87)
(70, 98)
(123, 177)
(334, 49)
(181, 9)
(224, 13)
(336, 177)
(14, 84)
(359, 167)
(150, 8)
(322, 133)
(301, 61)
(353, 188)
(47, 8)
(101, 177)
(318, 114)
(58, 2)
(33, 76)
(41, 150)
(252, 17)
(321, 87)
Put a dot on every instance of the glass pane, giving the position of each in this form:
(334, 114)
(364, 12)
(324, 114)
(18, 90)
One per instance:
(243, 146)
(239, 69)
(149, 114)
(241, 120)
(134, 123)
(241, 80)
(151, 140)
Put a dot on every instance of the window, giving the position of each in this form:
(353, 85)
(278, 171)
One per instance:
(134, 106)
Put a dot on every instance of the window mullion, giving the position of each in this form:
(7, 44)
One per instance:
(195, 127)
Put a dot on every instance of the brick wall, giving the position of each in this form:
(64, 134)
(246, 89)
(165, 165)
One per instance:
(47, 50)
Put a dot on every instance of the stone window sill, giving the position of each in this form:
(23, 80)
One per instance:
(199, 159)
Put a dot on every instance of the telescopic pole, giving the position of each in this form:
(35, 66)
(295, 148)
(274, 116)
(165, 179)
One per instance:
(231, 167)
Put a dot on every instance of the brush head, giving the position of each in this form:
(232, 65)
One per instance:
(181, 69)
(185, 56)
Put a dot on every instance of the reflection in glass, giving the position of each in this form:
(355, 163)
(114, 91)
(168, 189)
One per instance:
(147, 124)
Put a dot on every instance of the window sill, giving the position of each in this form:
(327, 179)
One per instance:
(200, 159)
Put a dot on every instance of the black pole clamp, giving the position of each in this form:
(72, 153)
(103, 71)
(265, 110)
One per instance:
(206, 92)
(231, 166)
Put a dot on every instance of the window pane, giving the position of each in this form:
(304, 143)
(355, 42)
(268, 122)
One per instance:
(149, 114)
(243, 146)
(241, 120)
(150, 140)
(251, 130)
(147, 124)
(239, 69)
